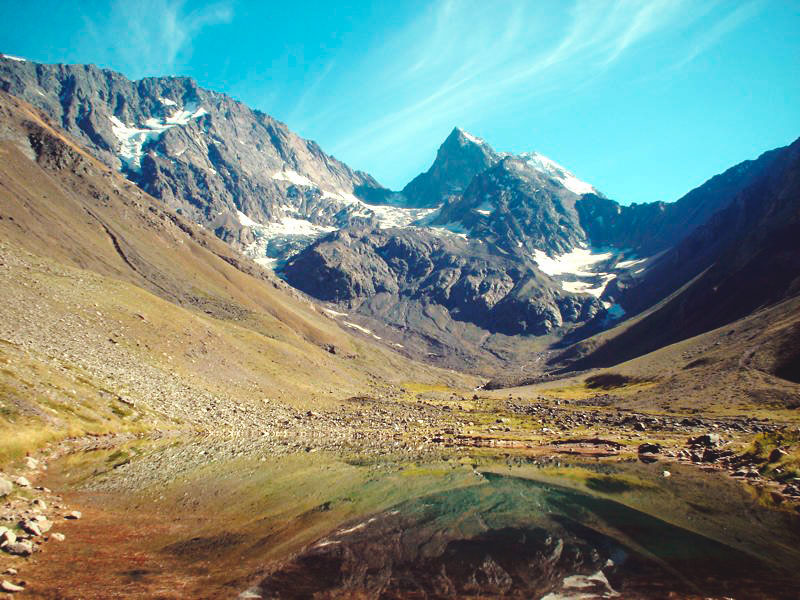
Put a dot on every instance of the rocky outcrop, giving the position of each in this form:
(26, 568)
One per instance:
(518, 208)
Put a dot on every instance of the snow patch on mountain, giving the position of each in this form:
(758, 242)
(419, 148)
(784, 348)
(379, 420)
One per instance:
(132, 139)
(358, 328)
(386, 215)
(245, 220)
(583, 287)
(473, 138)
(15, 58)
(579, 261)
(629, 264)
(293, 177)
(556, 171)
(455, 229)
(486, 207)
(579, 270)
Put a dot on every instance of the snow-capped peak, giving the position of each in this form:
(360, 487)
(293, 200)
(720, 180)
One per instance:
(556, 171)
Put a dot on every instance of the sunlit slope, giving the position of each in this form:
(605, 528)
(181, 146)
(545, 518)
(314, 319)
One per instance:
(156, 317)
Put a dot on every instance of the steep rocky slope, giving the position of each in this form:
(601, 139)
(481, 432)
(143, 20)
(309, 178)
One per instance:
(746, 257)
(234, 170)
(517, 207)
(650, 228)
(460, 157)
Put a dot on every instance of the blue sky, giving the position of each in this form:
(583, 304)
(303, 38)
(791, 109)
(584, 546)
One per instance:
(643, 99)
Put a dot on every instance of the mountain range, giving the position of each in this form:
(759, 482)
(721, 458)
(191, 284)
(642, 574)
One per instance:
(487, 261)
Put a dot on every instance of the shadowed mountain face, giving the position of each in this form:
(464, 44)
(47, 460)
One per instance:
(519, 539)
(417, 269)
(746, 257)
(651, 228)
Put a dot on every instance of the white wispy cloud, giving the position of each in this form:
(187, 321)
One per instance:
(153, 37)
(710, 36)
(461, 59)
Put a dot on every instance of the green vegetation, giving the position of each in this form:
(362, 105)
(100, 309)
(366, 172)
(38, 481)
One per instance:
(778, 453)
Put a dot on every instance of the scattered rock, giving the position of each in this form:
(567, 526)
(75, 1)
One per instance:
(22, 481)
(10, 571)
(7, 537)
(776, 455)
(75, 514)
(31, 462)
(59, 537)
(667, 474)
(40, 504)
(707, 440)
(649, 448)
(31, 527)
(6, 487)
(711, 455)
(7, 586)
(21, 548)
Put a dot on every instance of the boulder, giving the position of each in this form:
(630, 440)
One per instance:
(776, 455)
(711, 455)
(21, 548)
(7, 586)
(6, 487)
(75, 514)
(649, 448)
(31, 527)
(706, 440)
(7, 537)
(59, 537)
(22, 481)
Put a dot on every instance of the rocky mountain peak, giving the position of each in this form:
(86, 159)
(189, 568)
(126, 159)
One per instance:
(458, 160)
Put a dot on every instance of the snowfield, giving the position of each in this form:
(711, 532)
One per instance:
(577, 262)
(580, 270)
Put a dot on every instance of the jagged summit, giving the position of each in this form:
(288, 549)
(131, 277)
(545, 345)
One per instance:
(460, 158)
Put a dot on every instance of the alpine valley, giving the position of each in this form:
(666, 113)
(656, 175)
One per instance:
(300, 383)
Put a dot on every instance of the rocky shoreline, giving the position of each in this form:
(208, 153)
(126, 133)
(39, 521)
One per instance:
(30, 516)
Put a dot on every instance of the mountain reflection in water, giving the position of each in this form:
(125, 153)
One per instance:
(518, 538)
